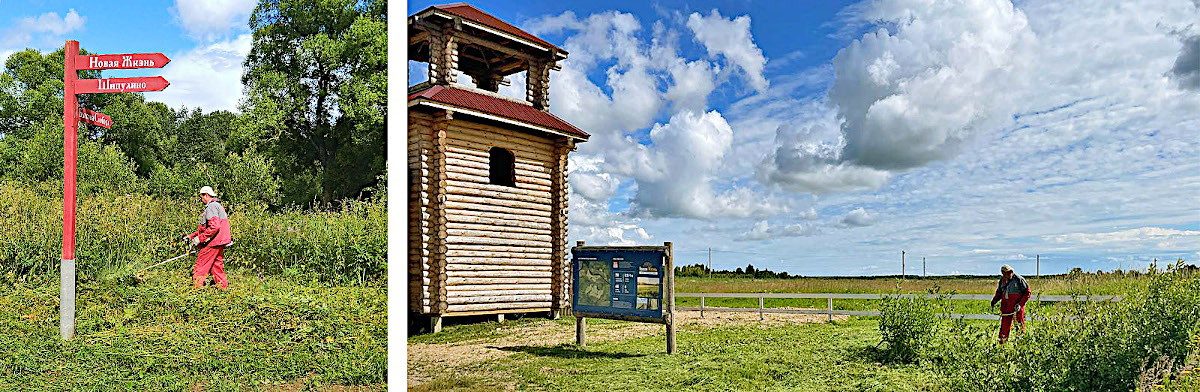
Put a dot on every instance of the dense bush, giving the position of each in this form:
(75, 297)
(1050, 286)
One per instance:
(909, 324)
(119, 233)
(1082, 346)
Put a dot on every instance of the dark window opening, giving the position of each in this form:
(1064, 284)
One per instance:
(500, 167)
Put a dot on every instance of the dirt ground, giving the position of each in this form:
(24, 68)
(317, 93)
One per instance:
(427, 360)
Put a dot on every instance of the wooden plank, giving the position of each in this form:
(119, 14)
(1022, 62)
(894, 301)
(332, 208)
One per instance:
(491, 287)
(509, 229)
(478, 281)
(458, 266)
(495, 241)
(500, 248)
(515, 211)
(498, 274)
(487, 293)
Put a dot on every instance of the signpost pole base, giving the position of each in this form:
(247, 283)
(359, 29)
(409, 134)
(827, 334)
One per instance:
(66, 299)
(580, 331)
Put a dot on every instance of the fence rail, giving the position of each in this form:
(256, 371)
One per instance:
(761, 310)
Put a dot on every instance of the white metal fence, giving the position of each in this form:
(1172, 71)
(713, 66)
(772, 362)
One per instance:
(761, 310)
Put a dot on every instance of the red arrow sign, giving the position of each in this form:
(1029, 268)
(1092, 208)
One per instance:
(121, 61)
(95, 118)
(120, 85)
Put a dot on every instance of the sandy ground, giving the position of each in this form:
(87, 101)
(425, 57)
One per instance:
(427, 360)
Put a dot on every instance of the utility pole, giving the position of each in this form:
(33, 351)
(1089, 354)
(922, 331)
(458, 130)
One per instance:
(923, 273)
(710, 262)
(1039, 266)
(901, 264)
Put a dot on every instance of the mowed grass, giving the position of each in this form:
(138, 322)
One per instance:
(839, 356)
(287, 333)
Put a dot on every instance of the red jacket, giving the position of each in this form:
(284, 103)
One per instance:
(214, 226)
(1012, 293)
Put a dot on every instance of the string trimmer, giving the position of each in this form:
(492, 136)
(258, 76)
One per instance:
(139, 275)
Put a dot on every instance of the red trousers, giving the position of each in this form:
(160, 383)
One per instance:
(1007, 306)
(210, 259)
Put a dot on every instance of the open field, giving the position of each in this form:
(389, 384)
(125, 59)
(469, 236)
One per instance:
(789, 352)
(721, 352)
(1065, 285)
(283, 333)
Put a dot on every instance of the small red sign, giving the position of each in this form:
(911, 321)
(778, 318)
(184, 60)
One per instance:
(95, 118)
(120, 85)
(121, 61)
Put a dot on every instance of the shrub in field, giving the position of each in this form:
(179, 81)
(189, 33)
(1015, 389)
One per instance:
(909, 324)
(117, 234)
(1083, 346)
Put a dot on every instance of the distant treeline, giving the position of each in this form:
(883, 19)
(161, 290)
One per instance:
(750, 272)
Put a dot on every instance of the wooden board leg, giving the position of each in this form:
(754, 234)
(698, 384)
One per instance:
(580, 331)
(435, 324)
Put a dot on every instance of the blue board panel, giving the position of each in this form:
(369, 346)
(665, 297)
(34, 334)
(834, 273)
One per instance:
(618, 282)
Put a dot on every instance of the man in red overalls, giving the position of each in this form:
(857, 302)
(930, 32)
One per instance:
(210, 239)
(1013, 292)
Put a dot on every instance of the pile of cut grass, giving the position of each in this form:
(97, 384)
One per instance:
(280, 331)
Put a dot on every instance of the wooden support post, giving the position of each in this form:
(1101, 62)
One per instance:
(435, 323)
(670, 291)
(831, 308)
(500, 318)
(760, 309)
(580, 331)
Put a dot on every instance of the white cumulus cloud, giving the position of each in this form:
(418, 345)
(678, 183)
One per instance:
(858, 217)
(213, 19)
(732, 39)
(208, 77)
(44, 31)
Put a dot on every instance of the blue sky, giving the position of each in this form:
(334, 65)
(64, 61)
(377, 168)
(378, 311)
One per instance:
(206, 41)
(824, 138)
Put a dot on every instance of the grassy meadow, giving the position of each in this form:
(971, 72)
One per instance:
(727, 351)
(274, 332)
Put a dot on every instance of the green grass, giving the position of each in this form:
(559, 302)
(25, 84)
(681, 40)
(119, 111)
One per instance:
(1057, 285)
(838, 356)
(162, 335)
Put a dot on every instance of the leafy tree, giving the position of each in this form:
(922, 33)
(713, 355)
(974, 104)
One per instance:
(320, 69)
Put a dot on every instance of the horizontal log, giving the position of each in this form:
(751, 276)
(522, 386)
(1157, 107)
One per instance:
(498, 248)
(481, 280)
(499, 233)
(487, 189)
(506, 261)
(459, 221)
(460, 215)
(497, 306)
(491, 287)
(496, 293)
(459, 266)
(546, 230)
(499, 140)
(539, 206)
(521, 183)
(497, 274)
(458, 239)
(496, 299)
(507, 134)
(451, 205)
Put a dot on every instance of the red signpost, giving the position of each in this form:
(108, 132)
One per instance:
(72, 113)
(95, 118)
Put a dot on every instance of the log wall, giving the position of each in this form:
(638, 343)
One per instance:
(477, 247)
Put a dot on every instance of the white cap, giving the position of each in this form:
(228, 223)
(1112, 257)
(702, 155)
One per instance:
(208, 190)
(1005, 268)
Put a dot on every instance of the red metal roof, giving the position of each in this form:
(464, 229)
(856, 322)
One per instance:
(471, 100)
(467, 11)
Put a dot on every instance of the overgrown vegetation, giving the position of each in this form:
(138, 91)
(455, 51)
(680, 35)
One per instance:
(118, 234)
(1082, 346)
(286, 333)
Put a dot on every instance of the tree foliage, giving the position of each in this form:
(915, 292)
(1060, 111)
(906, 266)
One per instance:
(320, 70)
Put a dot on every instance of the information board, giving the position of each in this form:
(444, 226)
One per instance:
(625, 283)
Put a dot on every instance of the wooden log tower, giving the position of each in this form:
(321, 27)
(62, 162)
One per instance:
(488, 173)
